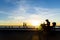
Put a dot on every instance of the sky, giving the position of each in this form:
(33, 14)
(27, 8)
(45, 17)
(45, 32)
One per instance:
(18, 11)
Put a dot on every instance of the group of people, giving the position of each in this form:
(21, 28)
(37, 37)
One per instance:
(46, 27)
(47, 30)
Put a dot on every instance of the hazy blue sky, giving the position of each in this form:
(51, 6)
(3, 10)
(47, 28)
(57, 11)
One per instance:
(15, 11)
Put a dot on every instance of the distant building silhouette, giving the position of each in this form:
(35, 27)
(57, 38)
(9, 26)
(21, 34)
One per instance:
(24, 25)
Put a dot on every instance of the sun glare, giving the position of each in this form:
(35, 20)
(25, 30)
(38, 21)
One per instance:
(35, 23)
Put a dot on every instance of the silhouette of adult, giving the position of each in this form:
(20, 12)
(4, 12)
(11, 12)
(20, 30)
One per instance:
(48, 25)
(48, 28)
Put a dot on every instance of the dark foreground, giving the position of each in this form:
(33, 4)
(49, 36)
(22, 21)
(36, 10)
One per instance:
(28, 35)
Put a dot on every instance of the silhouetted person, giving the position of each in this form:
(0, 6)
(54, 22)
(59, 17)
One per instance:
(53, 33)
(43, 26)
(48, 28)
(53, 25)
(43, 34)
(48, 23)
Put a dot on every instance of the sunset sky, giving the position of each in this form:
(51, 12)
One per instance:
(14, 12)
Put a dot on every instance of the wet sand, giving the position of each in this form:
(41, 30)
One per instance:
(28, 35)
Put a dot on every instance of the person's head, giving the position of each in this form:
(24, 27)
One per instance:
(47, 20)
(54, 24)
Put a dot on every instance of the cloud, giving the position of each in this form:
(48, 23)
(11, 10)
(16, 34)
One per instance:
(26, 12)
(39, 13)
